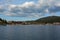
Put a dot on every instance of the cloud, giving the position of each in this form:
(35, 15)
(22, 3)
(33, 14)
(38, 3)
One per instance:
(26, 9)
(2, 9)
(54, 9)
(32, 9)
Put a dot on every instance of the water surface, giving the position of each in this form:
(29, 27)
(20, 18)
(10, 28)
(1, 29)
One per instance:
(30, 32)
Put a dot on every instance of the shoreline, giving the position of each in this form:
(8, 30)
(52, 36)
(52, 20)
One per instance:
(30, 24)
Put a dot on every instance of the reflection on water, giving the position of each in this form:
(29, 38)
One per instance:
(30, 32)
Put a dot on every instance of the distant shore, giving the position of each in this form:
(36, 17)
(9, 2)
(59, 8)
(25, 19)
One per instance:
(50, 20)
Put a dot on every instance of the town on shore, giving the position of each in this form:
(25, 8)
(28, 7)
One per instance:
(45, 20)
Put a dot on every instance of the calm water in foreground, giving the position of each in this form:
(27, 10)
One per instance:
(30, 32)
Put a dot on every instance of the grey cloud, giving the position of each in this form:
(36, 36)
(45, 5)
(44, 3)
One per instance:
(30, 9)
(2, 9)
(15, 10)
(54, 9)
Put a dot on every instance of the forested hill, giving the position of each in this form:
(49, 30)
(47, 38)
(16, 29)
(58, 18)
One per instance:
(49, 19)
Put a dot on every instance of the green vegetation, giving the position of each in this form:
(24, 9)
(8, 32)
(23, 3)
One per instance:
(50, 19)
(44, 20)
(3, 22)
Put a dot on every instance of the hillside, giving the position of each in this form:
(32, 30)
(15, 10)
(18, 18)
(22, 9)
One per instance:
(49, 19)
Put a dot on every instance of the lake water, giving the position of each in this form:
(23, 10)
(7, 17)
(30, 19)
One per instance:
(30, 32)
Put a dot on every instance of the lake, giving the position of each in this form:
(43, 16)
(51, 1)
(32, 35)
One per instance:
(30, 32)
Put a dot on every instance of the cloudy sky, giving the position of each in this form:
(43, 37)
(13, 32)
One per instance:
(28, 9)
